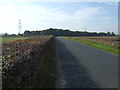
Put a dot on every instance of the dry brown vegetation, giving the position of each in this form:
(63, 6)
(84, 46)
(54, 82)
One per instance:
(106, 40)
(20, 60)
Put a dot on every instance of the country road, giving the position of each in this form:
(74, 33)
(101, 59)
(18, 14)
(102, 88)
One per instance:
(82, 66)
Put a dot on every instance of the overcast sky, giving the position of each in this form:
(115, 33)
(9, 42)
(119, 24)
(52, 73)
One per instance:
(38, 15)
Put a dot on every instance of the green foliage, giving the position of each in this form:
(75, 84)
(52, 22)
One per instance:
(66, 32)
(46, 74)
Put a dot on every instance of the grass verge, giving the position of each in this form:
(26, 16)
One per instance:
(46, 74)
(111, 49)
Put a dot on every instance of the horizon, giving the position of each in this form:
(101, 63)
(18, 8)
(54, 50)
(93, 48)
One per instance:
(57, 29)
(75, 16)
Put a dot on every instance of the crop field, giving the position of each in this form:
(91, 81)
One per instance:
(107, 43)
(110, 41)
(9, 39)
(20, 59)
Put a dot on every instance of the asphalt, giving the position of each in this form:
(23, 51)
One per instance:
(82, 66)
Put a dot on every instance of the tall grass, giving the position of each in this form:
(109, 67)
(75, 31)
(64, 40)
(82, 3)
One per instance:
(46, 74)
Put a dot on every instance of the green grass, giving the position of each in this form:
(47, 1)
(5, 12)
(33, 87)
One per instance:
(46, 74)
(10, 39)
(107, 48)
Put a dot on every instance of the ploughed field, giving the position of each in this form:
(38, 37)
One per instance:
(108, 40)
(20, 59)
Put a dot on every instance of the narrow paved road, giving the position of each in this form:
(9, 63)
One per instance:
(82, 66)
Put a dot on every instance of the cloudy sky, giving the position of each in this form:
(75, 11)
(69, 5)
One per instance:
(39, 15)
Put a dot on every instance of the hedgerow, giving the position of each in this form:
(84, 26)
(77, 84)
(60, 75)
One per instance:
(20, 60)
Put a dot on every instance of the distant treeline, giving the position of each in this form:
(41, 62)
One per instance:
(61, 32)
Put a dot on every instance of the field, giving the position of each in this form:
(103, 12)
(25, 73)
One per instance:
(108, 43)
(23, 57)
(9, 39)
(29, 62)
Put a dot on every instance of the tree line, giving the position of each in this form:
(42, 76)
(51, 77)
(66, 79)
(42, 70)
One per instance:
(61, 32)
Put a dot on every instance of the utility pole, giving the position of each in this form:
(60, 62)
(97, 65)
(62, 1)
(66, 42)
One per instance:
(20, 26)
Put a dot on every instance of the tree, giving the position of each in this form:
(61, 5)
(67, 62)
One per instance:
(27, 33)
(13, 35)
(113, 34)
(5, 34)
(108, 33)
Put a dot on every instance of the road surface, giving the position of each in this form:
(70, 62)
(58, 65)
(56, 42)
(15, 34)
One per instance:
(82, 66)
